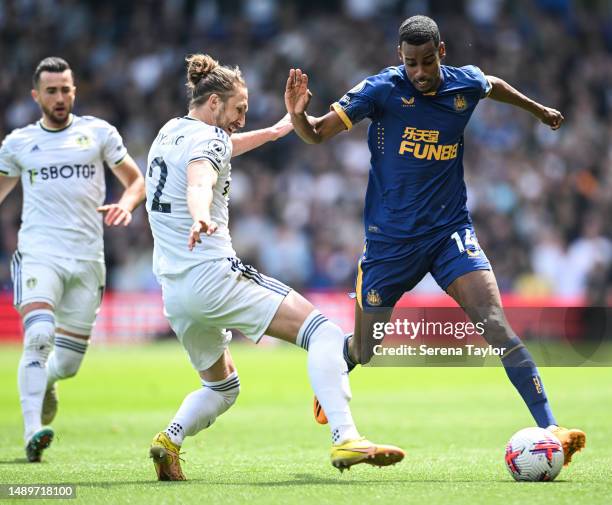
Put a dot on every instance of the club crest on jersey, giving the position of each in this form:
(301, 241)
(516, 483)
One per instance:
(460, 103)
(83, 140)
(407, 102)
(373, 298)
(31, 283)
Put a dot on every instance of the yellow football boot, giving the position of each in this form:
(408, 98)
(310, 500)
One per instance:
(572, 441)
(361, 450)
(166, 458)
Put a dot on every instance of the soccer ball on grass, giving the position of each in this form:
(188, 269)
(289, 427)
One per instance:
(534, 454)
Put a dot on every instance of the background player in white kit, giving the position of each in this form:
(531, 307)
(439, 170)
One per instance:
(207, 289)
(58, 269)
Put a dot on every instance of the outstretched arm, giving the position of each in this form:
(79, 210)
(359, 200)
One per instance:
(6, 185)
(311, 130)
(503, 92)
(244, 142)
(132, 180)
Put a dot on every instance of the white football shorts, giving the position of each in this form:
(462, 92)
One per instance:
(202, 302)
(74, 288)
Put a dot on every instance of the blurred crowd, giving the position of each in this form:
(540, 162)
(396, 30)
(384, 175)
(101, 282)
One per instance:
(541, 200)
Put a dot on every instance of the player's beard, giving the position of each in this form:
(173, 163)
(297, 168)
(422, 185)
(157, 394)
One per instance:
(224, 122)
(221, 119)
(57, 119)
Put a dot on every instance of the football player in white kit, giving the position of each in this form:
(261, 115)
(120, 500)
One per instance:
(207, 289)
(58, 269)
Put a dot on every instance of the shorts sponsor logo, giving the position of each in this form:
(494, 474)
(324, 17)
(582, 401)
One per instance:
(31, 282)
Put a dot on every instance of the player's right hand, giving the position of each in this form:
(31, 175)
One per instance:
(297, 94)
(198, 227)
(551, 117)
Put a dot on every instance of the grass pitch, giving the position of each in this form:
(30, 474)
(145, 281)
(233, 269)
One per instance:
(267, 449)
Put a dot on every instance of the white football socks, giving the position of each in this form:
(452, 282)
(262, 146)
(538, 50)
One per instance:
(200, 408)
(328, 373)
(66, 358)
(39, 326)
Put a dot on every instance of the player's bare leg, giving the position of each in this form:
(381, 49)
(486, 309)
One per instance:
(39, 329)
(198, 411)
(478, 294)
(361, 344)
(297, 321)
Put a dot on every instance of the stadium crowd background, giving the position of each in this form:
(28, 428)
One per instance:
(541, 201)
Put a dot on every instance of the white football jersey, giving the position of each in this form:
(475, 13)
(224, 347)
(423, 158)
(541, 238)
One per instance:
(62, 175)
(179, 142)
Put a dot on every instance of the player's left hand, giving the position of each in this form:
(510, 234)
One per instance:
(551, 117)
(202, 226)
(115, 214)
(283, 127)
(297, 94)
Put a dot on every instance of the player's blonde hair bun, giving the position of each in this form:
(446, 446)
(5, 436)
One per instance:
(206, 76)
(198, 66)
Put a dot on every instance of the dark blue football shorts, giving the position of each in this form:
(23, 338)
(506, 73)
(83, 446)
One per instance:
(387, 270)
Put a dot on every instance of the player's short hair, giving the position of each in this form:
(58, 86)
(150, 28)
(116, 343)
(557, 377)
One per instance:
(418, 30)
(49, 64)
(206, 76)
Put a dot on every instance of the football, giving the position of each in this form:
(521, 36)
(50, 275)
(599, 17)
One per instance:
(534, 454)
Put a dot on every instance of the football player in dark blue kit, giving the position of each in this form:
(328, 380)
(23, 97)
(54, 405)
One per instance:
(416, 218)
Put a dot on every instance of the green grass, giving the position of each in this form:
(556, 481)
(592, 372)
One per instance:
(453, 423)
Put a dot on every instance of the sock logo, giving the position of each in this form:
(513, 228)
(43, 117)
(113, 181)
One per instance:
(34, 364)
(537, 384)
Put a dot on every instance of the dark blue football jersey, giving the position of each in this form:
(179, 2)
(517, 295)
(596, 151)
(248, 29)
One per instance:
(416, 184)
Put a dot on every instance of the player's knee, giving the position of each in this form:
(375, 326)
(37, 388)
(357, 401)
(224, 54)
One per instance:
(68, 366)
(68, 355)
(230, 396)
(327, 335)
(227, 390)
(39, 331)
(497, 331)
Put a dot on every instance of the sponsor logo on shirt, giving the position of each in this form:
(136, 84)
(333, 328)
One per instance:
(78, 171)
(423, 145)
